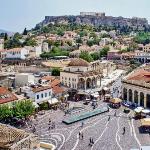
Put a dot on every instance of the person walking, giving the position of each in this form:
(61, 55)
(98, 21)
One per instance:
(124, 130)
(82, 124)
(82, 136)
(90, 144)
(79, 135)
(92, 141)
(108, 118)
(115, 113)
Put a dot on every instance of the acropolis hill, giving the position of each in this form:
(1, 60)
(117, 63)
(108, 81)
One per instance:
(97, 19)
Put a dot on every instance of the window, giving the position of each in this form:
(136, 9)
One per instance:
(69, 79)
(49, 93)
(45, 94)
(37, 96)
(42, 95)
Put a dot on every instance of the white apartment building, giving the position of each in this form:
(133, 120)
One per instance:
(38, 93)
(17, 53)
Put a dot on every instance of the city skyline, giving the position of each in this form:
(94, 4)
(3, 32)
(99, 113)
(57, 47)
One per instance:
(27, 13)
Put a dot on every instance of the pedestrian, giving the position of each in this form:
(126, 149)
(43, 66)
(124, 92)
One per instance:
(108, 118)
(92, 141)
(124, 130)
(90, 144)
(82, 124)
(79, 135)
(82, 136)
(115, 113)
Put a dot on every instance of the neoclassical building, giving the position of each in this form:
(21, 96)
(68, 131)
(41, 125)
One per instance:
(81, 75)
(136, 87)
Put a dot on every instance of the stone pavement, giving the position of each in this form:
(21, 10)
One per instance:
(107, 134)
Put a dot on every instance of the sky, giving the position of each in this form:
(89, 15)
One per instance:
(15, 15)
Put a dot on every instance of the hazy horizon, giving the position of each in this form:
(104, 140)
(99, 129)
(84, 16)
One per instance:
(27, 13)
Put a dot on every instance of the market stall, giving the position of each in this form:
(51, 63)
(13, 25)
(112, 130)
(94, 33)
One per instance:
(115, 102)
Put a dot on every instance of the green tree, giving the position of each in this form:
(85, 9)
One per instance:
(104, 51)
(25, 32)
(86, 56)
(95, 56)
(5, 112)
(55, 72)
(90, 42)
(5, 37)
(23, 109)
(30, 42)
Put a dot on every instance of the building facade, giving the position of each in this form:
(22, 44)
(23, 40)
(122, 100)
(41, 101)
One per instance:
(81, 75)
(38, 94)
(17, 53)
(136, 87)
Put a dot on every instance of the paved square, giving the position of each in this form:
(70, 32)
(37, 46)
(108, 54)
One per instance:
(107, 132)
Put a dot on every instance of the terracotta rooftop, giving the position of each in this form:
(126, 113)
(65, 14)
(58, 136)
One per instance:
(6, 96)
(55, 82)
(48, 78)
(14, 49)
(58, 90)
(78, 62)
(40, 88)
(9, 136)
(140, 75)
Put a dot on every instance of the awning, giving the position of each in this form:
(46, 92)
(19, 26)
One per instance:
(106, 88)
(35, 105)
(145, 122)
(107, 95)
(53, 101)
(138, 109)
(146, 111)
(66, 95)
(116, 100)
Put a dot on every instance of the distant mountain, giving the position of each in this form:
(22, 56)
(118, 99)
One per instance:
(8, 32)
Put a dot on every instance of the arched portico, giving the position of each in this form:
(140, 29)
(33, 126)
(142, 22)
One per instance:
(125, 94)
(136, 97)
(141, 99)
(130, 95)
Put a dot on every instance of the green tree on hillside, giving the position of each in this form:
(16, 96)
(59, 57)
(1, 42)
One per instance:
(86, 56)
(55, 72)
(25, 32)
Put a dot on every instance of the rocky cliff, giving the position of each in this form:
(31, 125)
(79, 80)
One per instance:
(97, 21)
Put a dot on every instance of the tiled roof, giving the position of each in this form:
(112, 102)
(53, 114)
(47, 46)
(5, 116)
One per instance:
(48, 78)
(140, 75)
(78, 62)
(58, 90)
(15, 49)
(41, 88)
(55, 82)
(6, 96)
(10, 136)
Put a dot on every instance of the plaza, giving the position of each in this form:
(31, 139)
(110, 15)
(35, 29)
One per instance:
(105, 129)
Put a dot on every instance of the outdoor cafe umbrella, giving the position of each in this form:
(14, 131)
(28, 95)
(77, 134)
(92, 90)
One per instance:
(116, 100)
(145, 122)
(138, 109)
(145, 111)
